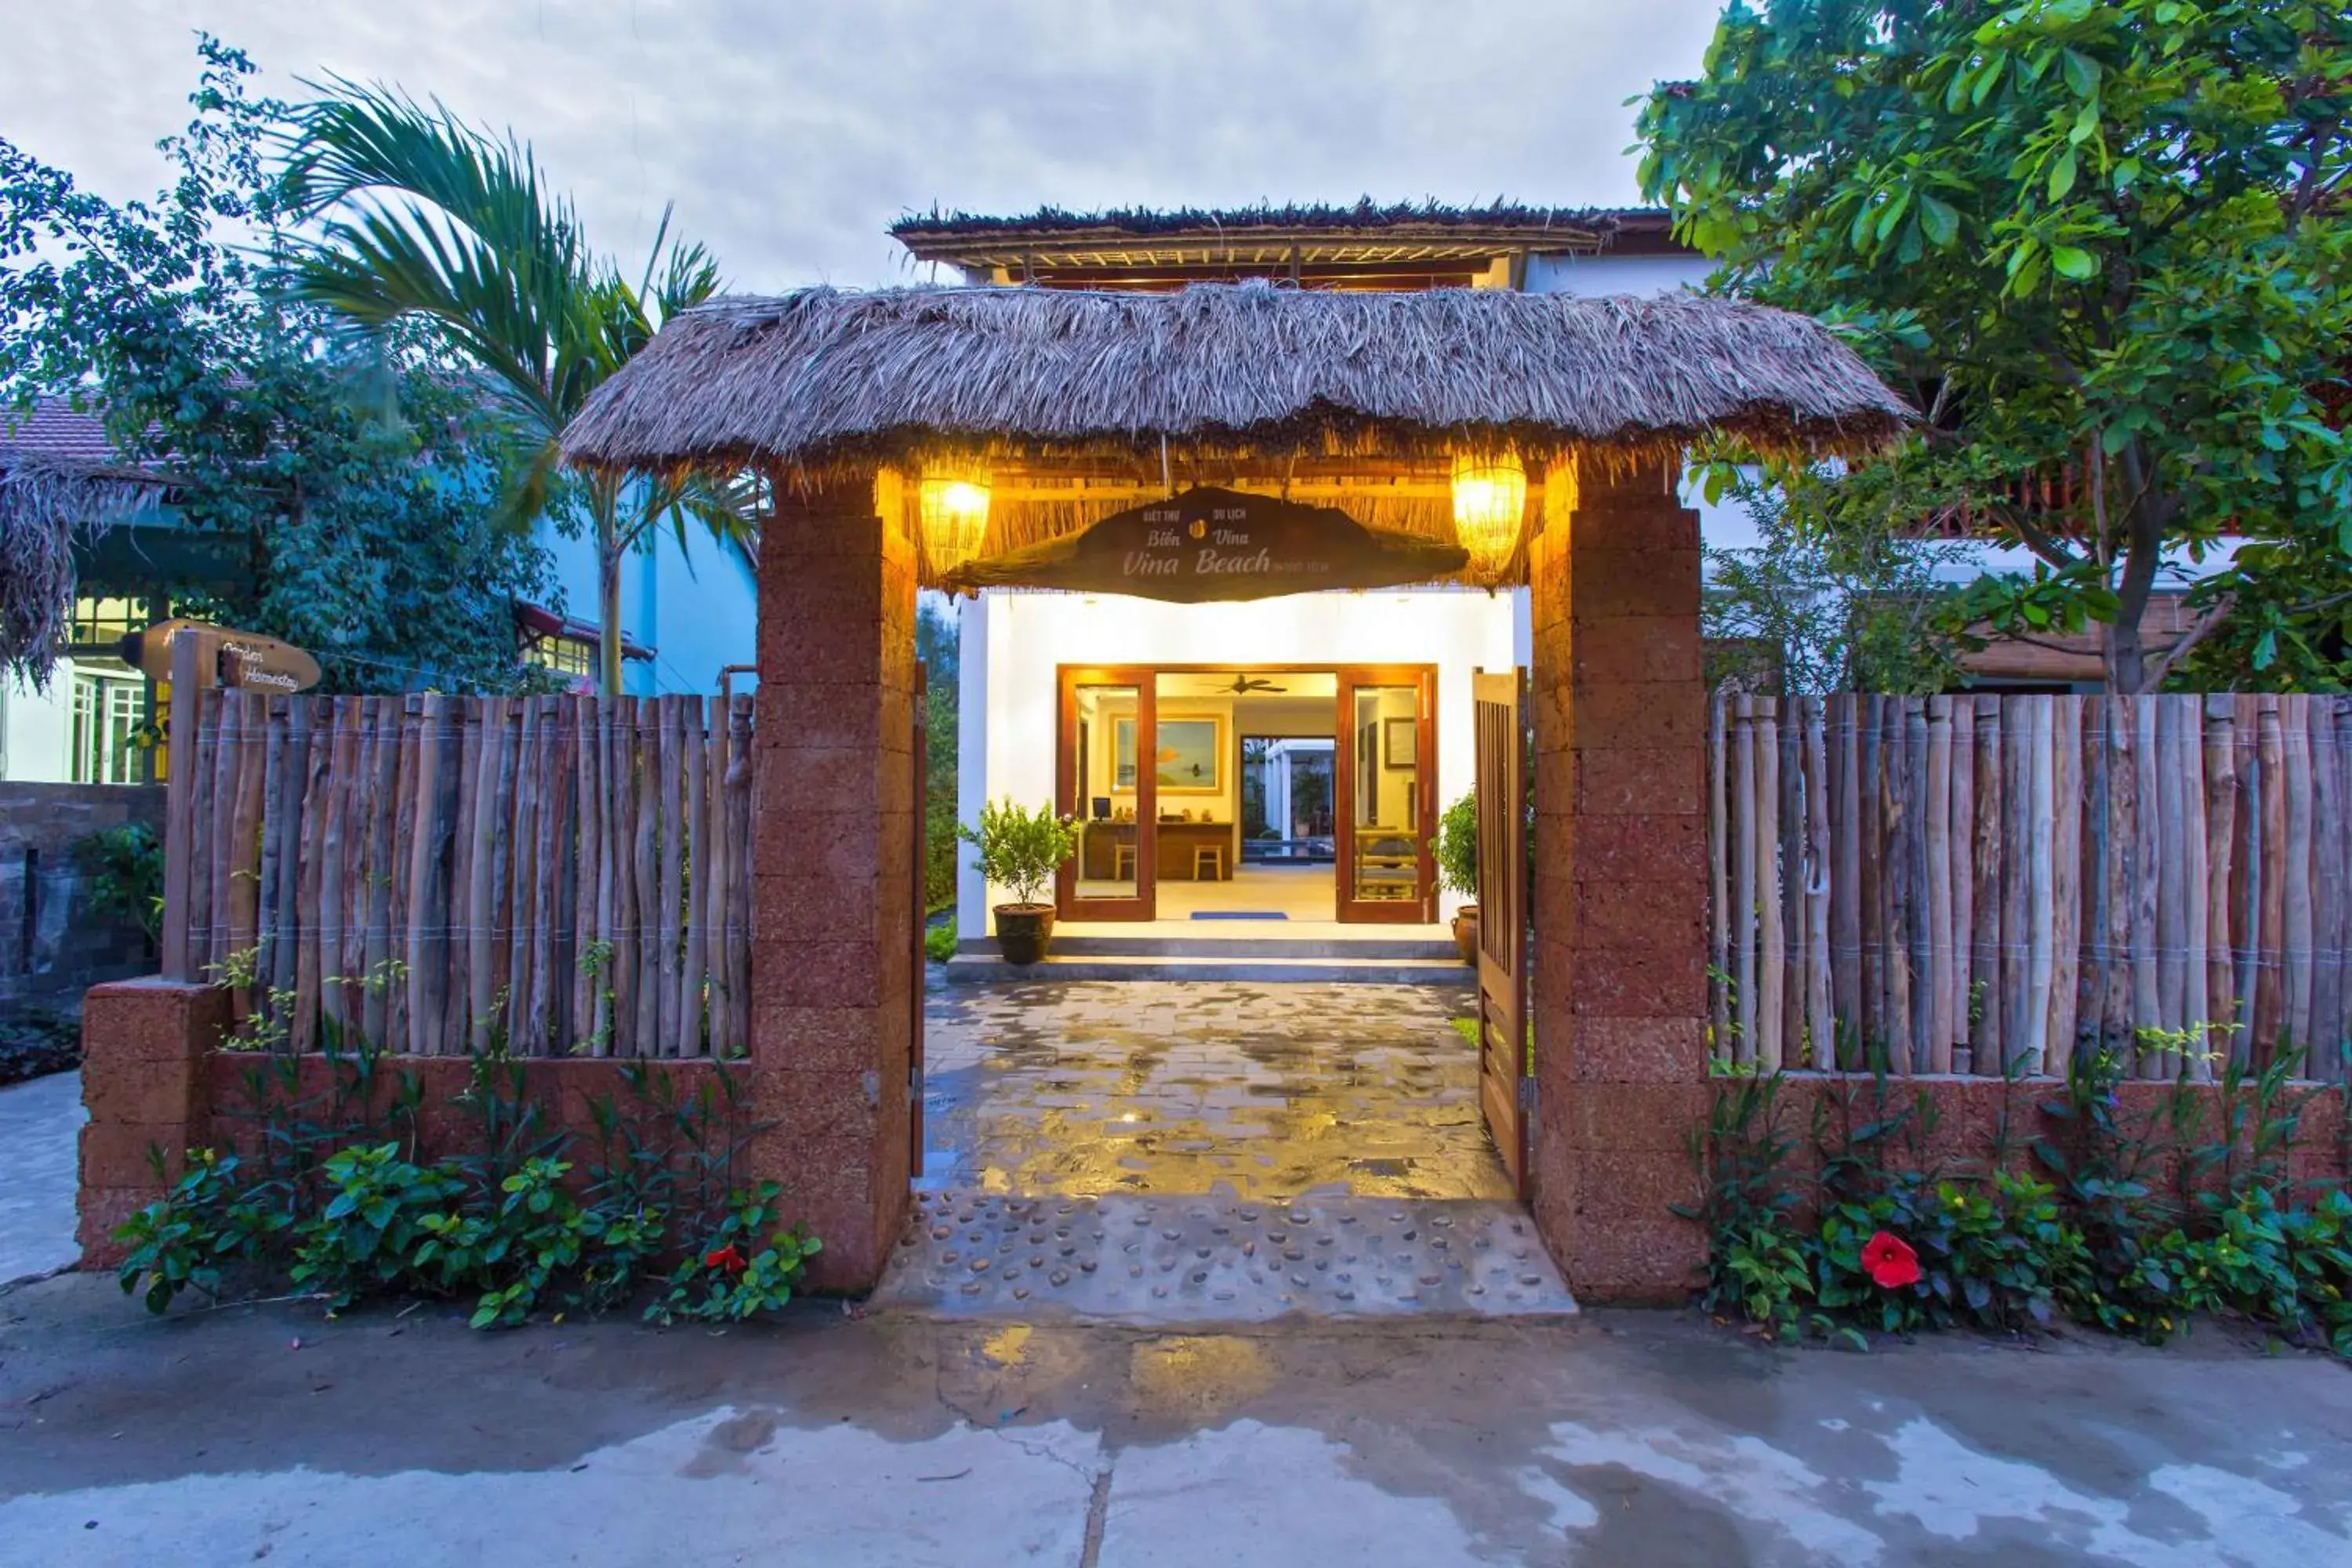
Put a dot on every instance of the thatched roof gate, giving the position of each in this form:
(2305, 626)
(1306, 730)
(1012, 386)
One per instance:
(1081, 402)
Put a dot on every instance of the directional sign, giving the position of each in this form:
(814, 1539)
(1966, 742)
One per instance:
(239, 661)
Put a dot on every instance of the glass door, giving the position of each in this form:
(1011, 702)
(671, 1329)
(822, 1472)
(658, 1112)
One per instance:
(1108, 732)
(1387, 817)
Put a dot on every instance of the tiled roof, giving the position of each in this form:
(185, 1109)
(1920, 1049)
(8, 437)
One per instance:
(54, 428)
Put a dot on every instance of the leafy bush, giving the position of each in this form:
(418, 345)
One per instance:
(123, 874)
(939, 941)
(204, 1223)
(1457, 847)
(1884, 1241)
(1021, 851)
(337, 1201)
(748, 1267)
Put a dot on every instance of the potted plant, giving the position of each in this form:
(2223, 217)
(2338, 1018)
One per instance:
(1020, 851)
(1457, 869)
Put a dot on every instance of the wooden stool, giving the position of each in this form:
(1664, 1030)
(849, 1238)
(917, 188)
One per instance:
(1213, 856)
(1122, 862)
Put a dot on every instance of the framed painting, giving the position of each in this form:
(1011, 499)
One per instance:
(1190, 756)
(1400, 743)
(1122, 749)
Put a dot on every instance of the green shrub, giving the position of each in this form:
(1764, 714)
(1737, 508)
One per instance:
(123, 874)
(1457, 847)
(2097, 1242)
(204, 1223)
(940, 942)
(1021, 851)
(348, 1213)
(748, 1266)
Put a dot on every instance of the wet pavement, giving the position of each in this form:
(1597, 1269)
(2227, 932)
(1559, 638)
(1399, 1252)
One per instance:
(1619, 1438)
(1177, 1260)
(40, 1133)
(1254, 1091)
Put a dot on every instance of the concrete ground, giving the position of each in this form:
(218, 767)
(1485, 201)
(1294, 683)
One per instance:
(263, 1432)
(40, 1128)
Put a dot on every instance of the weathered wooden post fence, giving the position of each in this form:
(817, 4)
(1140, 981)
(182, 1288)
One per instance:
(1987, 884)
(436, 875)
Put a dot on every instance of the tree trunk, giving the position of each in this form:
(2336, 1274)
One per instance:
(2126, 665)
(608, 590)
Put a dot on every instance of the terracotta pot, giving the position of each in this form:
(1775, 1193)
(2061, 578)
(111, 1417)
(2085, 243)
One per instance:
(1024, 932)
(1465, 932)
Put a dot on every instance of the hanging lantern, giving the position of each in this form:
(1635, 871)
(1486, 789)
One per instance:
(1490, 498)
(955, 517)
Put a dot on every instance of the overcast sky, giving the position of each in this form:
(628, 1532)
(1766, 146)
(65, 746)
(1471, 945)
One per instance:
(791, 133)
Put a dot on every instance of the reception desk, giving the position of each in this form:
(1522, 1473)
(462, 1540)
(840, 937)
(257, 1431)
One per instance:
(1179, 841)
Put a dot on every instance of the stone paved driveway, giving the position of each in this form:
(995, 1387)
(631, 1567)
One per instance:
(41, 1129)
(1258, 1091)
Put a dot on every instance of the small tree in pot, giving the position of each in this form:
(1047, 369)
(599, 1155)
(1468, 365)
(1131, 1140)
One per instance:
(1457, 869)
(1021, 851)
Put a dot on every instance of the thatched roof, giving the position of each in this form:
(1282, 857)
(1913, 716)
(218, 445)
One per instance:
(1363, 215)
(47, 505)
(827, 377)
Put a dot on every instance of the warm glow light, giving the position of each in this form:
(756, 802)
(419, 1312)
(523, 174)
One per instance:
(955, 518)
(1490, 497)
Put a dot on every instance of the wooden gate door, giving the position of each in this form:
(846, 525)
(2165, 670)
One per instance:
(1505, 1082)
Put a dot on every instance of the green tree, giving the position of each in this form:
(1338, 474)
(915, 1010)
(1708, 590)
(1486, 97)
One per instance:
(426, 219)
(1857, 606)
(349, 494)
(2102, 241)
(936, 647)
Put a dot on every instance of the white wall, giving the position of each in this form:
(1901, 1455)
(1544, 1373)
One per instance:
(1608, 274)
(36, 729)
(1014, 644)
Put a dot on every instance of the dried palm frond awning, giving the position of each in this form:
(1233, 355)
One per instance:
(826, 376)
(1082, 403)
(47, 507)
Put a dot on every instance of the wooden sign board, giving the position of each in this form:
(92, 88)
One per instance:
(238, 661)
(1215, 544)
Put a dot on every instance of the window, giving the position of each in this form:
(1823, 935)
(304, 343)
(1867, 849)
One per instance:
(102, 622)
(566, 656)
(106, 713)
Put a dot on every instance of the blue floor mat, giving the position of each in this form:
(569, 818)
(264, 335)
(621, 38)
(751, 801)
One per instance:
(1239, 915)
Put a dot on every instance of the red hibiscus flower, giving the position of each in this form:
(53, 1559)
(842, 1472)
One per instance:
(726, 1257)
(1889, 1261)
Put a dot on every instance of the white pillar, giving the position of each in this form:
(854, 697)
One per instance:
(972, 759)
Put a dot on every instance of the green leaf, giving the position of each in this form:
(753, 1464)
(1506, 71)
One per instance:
(2074, 262)
(1938, 220)
(2062, 178)
(2081, 72)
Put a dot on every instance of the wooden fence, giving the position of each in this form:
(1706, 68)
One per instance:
(436, 875)
(1980, 884)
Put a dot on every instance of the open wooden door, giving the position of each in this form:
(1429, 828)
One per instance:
(1505, 1081)
(1386, 795)
(1106, 778)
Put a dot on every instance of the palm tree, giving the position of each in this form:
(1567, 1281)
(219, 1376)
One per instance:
(427, 218)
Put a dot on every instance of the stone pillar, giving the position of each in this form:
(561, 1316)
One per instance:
(1620, 894)
(834, 984)
(143, 1045)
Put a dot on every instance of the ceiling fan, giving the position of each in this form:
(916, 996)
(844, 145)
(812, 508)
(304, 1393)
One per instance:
(1245, 684)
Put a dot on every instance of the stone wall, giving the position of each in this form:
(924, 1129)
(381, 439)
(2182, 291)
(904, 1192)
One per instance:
(53, 945)
(156, 1083)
